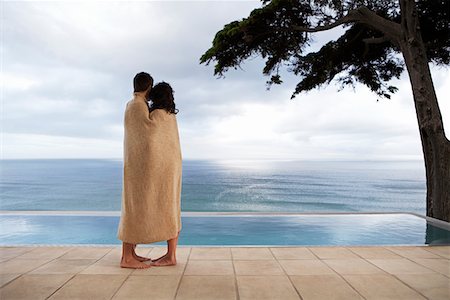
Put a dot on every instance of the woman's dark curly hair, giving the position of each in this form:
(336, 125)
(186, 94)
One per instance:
(161, 96)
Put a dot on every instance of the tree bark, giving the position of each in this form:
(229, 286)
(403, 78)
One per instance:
(435, 145)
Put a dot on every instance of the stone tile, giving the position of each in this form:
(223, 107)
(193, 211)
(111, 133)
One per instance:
(210, 253)
(333, 252)
(64, 266)
(143, 287)
(305, 267)
(86, 253)
(182, 253)
(106, 267)
(374, 252)
(16, 266)
(5, 278)
(110, 259)
(11, 252)
(319, 287)
(265, 287)
(292, 253)
(116, 254)
(178, 269)
(90, 287)
(412, 252)
(257, 267)
(207, 287)
(209, 267)
(381, 286)
(251, 253)
(443, 251)
(432, 286)
(352, 266)
(33, 286)
(48, 253)
(440, 265)
(400, 266)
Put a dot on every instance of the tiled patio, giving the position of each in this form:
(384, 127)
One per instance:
(228, 273)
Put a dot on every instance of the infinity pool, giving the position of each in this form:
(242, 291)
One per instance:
(214, 229)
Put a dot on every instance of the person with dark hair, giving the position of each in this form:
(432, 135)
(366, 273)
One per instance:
(136, 114)
(167, 154)
(162, 98)
(151, 207)
(142, 82)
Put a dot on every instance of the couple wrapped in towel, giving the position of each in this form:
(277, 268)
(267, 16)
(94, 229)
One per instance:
(152, 169)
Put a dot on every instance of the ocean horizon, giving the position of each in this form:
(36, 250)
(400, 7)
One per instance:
(223, 185)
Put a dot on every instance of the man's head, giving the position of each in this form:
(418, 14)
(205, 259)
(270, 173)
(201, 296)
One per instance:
(142, 82)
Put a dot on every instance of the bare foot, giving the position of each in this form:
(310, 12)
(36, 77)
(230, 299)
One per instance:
(164, 261)
(133, 264)
(141, 258)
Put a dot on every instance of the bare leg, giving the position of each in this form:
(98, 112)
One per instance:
(128, 260)
(137, 257)
(170, 258)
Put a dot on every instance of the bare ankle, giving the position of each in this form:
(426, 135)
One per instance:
(128, 259)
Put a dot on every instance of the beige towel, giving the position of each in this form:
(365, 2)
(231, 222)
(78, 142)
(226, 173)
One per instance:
(151, 204)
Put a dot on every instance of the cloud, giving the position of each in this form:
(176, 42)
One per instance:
(68, 66)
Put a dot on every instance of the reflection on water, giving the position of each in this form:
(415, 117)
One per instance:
(436, 236)
(362, 229)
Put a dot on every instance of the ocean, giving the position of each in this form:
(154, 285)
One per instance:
(256, 186)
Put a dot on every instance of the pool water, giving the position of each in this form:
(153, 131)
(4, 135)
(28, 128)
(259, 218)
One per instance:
(231, 229)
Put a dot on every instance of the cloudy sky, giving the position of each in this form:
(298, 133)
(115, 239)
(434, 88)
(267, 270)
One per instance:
(67, 70)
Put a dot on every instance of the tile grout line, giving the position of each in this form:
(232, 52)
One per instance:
(52, 260)
(61, 286)
(182, 273)
(427, 249)
(123, 282)
(234, 269)
(31, 270)
(6, 283)
(434, 271)
(236, 289)
(313, 253)
(73, 276)
(417, 263)
(445, 275)
(338, 274)
(14, 257)
(385, 272)
(394, 275)
(284, 271)
(420, 293)
(127, 277)
(120, 286)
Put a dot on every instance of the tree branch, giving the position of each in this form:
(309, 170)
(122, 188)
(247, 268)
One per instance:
(362, 15)
(344, 20)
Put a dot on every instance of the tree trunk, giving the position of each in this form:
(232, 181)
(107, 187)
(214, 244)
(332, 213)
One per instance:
(435, 145)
